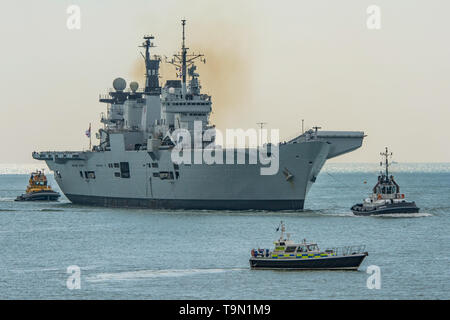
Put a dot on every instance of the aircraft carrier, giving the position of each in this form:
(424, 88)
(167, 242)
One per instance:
(133, 163)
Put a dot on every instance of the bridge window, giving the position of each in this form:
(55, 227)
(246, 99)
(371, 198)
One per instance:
(291, 248)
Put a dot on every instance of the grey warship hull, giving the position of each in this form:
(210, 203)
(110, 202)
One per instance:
(96, 178)
(200, 204)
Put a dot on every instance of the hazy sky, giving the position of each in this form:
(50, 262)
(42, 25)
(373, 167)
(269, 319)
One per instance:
(269, 61)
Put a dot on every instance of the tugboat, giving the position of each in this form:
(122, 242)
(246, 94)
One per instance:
(38, 189)
(386, 196)
(306, 256)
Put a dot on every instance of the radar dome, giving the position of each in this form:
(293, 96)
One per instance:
(119, 84)
(134, 86)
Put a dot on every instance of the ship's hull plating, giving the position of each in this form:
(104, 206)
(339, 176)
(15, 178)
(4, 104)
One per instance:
(194, 186)
(190, 204)
(351, 262)
(96, 178)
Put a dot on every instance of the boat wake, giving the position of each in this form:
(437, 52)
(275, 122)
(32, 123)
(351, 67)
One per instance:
(338, 214)
(145, 274)
(7, 199)
(403, 215)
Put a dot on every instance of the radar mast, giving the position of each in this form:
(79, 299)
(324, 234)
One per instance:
(183, 60)
(151, 67)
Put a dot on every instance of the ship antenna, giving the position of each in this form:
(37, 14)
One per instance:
(183, 52)
(151, 66)
(183, 61)
(386, 154)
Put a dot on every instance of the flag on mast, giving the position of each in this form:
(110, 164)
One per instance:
(88, 131)
(88, 134)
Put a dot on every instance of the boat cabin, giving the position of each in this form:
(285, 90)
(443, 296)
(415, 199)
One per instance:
(284, 247)
(38, 182)
(386, 187)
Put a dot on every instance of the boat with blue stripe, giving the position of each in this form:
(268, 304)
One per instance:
(306, 256)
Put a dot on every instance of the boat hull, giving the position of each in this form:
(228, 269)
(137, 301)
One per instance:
(39, 196)
(399, 208)
(350, 262)
(188, 204)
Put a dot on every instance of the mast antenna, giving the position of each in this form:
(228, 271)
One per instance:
(261, 126)
(386, 154)
(184, 60)
(151, 65)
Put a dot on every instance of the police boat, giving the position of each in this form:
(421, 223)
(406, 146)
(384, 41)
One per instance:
(289, 255)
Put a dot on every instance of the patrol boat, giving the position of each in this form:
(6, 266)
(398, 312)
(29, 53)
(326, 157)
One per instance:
(132, 164)
(386, 196)
(38, 189)
(306, 256)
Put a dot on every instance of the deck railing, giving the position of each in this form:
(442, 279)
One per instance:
(347, 250)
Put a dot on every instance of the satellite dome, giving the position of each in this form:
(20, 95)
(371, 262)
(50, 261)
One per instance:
(119, 84)
(134, 86)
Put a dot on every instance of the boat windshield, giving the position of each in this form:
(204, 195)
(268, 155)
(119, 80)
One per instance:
(290, 249)
(387, 189)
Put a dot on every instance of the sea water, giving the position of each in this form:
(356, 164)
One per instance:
(163, 254)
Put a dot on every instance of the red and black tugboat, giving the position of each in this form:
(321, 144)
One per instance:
(386, 197)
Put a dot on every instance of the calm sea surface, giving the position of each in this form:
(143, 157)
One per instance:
(160, 254)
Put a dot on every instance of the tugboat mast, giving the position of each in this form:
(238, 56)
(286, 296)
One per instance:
(386, 154)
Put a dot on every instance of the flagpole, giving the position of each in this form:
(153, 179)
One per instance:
(90, 137)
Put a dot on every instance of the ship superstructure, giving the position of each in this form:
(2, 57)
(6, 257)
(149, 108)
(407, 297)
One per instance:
(133, 166)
